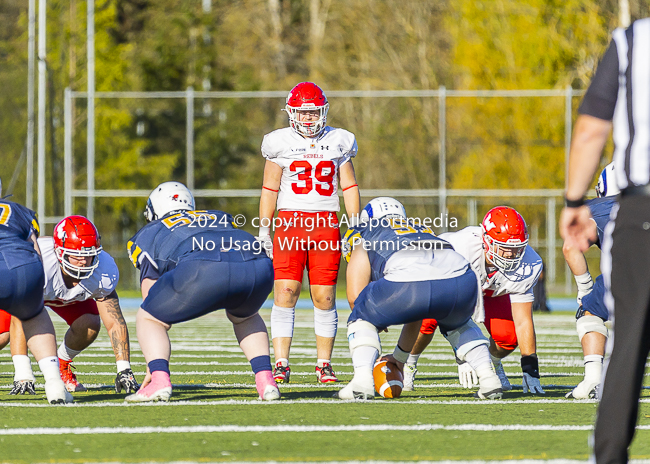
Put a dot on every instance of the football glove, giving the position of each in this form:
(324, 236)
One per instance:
(266, 243)
(22, 387)
(466, 375)
(126, 380)
(530, 369)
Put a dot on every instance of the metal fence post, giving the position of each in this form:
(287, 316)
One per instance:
(67, 152)
(568, 127)
(550, 240)
(189, 99)
(90, 136)
(442, 170)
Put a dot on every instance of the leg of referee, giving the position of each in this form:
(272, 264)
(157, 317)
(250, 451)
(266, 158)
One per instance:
(630, 285)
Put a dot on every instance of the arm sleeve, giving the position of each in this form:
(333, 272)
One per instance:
(526, 297)
(600, 99)
(268, 152)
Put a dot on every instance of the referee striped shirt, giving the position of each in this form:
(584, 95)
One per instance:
(620, 92)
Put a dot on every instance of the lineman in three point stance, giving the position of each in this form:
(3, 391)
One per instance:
(400, 273)
(507, 268)
(303, 163)
(21, 291)
(193, 263)
(80, 283)
(592, 312)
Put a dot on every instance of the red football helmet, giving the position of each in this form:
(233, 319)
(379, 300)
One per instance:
(307, 96)
(76, 236)
(505, 237)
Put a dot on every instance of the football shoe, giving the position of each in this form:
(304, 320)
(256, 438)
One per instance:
(159, 389)
(56, 393)
(584, 390)
(326, 374)
(505, 383)
(69, 378)
(281, 374)
(357, 391)
(409, 377)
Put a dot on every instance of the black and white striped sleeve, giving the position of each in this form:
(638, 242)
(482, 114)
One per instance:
(600, 99)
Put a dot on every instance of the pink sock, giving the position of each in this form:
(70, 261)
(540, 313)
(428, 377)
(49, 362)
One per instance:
(262, 379)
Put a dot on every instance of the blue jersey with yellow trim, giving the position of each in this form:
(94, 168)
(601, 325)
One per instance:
(208, 235)
(16, 226)
(600, 210)
(16, 223)
(385, 238)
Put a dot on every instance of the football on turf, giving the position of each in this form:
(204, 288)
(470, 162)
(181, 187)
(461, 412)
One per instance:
(389, 380)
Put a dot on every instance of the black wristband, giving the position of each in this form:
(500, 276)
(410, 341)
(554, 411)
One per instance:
(574, 203)
(530, 366)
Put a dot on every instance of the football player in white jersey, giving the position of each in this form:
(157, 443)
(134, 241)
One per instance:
(305, 163)
(80, 281)
(508, 269)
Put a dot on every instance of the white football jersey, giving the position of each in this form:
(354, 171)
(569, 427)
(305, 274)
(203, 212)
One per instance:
(100, 284)
(518, 283)
(310, 167)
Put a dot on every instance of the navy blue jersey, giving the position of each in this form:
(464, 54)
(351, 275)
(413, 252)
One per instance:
(16, 225)
(386, 237)
(204, 235)
(600, 209)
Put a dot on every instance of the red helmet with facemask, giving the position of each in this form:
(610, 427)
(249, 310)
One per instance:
(505, 237)
(76, 236)
(307, 96)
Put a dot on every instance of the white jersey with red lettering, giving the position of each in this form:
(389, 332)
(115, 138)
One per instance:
(518, 283)
(309, 166)
(100, 284)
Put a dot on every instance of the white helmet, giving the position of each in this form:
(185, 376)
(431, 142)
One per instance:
(606, 186)
(168, 197)
(382, 207)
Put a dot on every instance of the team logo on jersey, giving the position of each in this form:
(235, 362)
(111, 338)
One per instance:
(324, 147)
(312, 146)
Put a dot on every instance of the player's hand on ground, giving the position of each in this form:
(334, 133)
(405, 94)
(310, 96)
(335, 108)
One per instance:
(267, 244)
(532, 384)
(466, 375)
(126, 380)
(23, 387)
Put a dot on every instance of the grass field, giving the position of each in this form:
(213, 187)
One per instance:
(214, 414)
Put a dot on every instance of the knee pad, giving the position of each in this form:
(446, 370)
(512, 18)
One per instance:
(282, 320)
(325, 322)
(586, 324)
(465, 338)
(362, 333)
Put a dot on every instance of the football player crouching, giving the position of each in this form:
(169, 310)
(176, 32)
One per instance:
(191, 264)
(401, 273)
(80, 282)
(507, 268)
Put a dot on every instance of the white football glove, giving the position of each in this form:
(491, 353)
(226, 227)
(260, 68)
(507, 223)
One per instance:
(267, 244)
(466, 375)
(531, 384)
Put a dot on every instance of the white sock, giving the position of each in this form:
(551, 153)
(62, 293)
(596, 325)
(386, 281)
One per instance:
(22, 368)
(364, 357)
(321, 362)
(593, 368)
(283, 362)
(65, 353)
(478, 357)
(325, 322)
(50, 368)
(122, 366)
(282, 320)
(413, 359)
